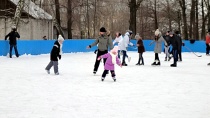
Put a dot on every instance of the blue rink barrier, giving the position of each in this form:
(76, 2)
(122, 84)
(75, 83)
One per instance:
(36, 47)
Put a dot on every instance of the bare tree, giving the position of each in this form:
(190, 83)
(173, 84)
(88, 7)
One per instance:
(18, 12)
(69, 25)
(184, 17)
(133, 5)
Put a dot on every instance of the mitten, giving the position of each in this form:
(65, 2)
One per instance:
(98, 58)
(59, 56)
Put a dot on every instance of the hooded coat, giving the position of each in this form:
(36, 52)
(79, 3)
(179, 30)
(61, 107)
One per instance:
(109, 65)
(55, 52)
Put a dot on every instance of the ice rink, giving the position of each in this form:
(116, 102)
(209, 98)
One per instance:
(27, 91)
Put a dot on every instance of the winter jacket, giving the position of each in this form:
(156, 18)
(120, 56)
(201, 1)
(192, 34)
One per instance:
(208, 38)
(117, 40)
(13, 35)
(123, 44)
(167, 39)
(141, 48)
(174, 42)
(55, 52)
(179, 39)
(103, 42)
(158, 44)
(109, 64)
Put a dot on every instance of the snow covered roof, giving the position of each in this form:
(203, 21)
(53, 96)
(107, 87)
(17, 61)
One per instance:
(32, 9)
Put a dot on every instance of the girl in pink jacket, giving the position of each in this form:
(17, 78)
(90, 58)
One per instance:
(112, 59)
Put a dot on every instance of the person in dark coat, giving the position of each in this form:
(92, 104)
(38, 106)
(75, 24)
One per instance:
(180, 44)
(13, 35)
(141, 49)
(103, 41)
(54, 55)
(175, 45)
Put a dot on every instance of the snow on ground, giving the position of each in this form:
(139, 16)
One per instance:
(27, 91)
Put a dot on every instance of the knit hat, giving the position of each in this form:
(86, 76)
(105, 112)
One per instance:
(115, 49)
(157, 32)
(171, 33)
(137, 36)
(60, 38)
(102, 29)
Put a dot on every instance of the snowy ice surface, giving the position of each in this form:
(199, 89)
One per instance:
(27, 91)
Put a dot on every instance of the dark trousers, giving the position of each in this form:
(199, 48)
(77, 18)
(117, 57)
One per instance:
(97, 62)
(175, 56)
(179, 54)
(141, 58)
(157, 57)
(16, 51)
(52, 63)
(124, 55)
(106, 71)
(207, 48)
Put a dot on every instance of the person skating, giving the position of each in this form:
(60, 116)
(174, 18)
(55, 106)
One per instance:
(175, 46)
(116, 42)
(54, 55)
(124, 45)
(167, 47)
(158, 45)
(112, 59)
(141, 49)
(208, 42)
(180, 44)
(13, 35)
(104, 41)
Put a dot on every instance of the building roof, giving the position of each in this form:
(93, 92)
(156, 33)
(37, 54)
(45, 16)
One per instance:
(32, 9)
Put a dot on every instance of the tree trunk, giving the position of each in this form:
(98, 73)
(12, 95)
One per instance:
(69, 19)
(203, 21)
(18, 12)
(155, 12)
(169, 15)
(192, 20)
(57, 11)
(55, 22)
(88, 23)
(196, 21)
(133, 5)
(182, 5)
(95, 23)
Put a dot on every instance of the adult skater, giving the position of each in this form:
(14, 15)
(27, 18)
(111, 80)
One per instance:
(180, 44)
(208, 42)
(103, 42)
(158, 45)
(175, 46)
(13, 35)
(118, 38)
(54, 55)
(124, 45)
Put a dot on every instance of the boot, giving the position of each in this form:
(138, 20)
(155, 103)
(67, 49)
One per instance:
(158, 63)
(102, 79)
(208, 64)
(173, 65)
(154, 63)
(114, 79)
(124, 64)
(138, 64)
(165, 59)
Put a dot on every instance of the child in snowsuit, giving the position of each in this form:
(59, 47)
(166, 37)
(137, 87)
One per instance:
(141, 49)
(54, 55)
(112, 59)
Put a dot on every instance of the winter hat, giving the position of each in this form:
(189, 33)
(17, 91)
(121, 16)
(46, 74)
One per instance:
(157, 32)
(102, 29)
(115, 49)
(137, 36)
(60, 38)
(171, 33)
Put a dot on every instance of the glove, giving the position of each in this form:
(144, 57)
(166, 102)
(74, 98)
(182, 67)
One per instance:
(59, 56)
(88, 47)
(99, 58)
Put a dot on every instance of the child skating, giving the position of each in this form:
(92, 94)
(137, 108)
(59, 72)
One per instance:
(54, 55)
(112, 59)
(141, 50)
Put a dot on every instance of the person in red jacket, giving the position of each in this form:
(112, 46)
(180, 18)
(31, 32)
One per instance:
(208, 42)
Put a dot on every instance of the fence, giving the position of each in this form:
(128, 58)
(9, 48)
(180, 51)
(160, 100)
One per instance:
(36, 47)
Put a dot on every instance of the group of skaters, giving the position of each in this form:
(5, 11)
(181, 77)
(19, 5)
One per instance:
(104, 42)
